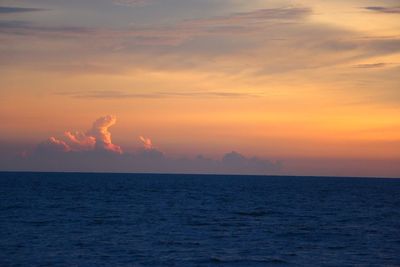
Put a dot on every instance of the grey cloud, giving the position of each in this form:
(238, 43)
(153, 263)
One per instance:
(362, 48)
(254, 17)
(131, 2)
(52, 146)
(11, 10)
(173, 34)
(382, 9)
(30, 29)
(283, 37)
(237, 23)
(146, 160)
(371, 65)
(384, 46)
(235, 162)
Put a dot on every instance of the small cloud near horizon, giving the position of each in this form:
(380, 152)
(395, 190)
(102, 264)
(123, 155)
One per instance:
(96, 138)
(147, 143)
(94, 150)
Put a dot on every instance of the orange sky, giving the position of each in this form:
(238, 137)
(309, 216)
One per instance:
(301, 81)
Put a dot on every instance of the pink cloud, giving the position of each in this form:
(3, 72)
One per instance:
(80, 141)
(98, 137)
(101, 134)
(147, 144)
(53, 144)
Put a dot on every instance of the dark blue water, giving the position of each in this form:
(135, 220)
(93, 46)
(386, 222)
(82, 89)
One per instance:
(52, 219)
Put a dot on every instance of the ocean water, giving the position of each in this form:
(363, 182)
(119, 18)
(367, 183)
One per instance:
(72, 219)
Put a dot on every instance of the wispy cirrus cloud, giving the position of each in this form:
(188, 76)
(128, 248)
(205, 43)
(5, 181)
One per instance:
(26, 28)
(244, 22)
(284, 36)
(371, 65)
(382, 9)
(156, 95)
(12, 10)
(255, 17)
(131, 2)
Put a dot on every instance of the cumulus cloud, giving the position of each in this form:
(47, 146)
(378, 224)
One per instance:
(94, 151)
(147, 144)
(103, 137)
(53, 145)
(80, 141)
(97, 138)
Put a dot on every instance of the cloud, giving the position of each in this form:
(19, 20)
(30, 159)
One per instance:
(253, 18)
(236, 43)
(94, 151)
(26, 28)
(131, 2)
(103, 137)
(172, 35)
(371, 65)
(98, 138)
(241, 23)
(184, 94)
(11, 10)
(147, 144)
(142, 161)
(283, 35)
(387, 10)
(150, 157)
(80, 141)
(52, 145)
(235, 162)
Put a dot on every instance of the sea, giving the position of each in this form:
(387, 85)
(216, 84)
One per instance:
(83, 219)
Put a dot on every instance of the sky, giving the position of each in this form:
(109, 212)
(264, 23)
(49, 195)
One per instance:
(300, 87)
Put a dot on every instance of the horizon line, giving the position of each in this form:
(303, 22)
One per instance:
(203, 174)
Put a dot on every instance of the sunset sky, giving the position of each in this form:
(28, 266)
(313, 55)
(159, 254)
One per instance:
(292, 87)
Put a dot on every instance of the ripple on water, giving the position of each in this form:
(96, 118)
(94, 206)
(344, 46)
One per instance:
(171, 220)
